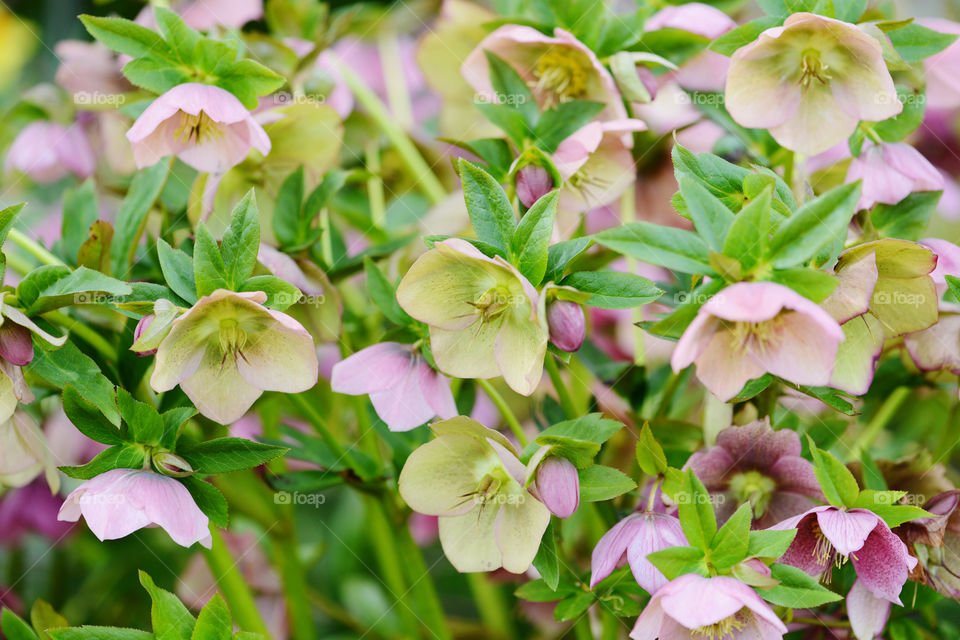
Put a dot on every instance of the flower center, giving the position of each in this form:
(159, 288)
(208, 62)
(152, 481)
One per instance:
(723, 630)
(756, 337)
(812, 69)
(232, 339)
(560, 76)
(491, 304)
(755, 488)
(197, 128)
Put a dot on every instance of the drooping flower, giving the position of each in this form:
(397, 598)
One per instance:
(471, 478)
(47, 151)
(707, 71)
(557, 69)
(751, 328)
(828, 535)
(633, 539)
(16, 351)
(692, 606)
(757, 465)
(810, 82)
(205, 126)
(227, 349)
(121, 501)
(942, 90)
(890, 172)
(24, 453)
(404, 389)
(558, 486)
(483, 314)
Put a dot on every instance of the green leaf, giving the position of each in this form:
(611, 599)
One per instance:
(561, 254)
(145, 188)
(530, 242)
(44, 617)
(906, 122)
(547, 560)
(559, 123)
(872, 476)
(248, 79)
(80, 210)
(676, 249)
(711, 217)
(507, 119)
(14, 627)
(915, 42)
(908, 218)
(177, 268)
(127, 37)
(223, 455)
(120, 456)
(540, 591)
(886, 504)
(89, 632)
(70, 366)
(510, 89)
(214, 622)
(158, 76)
(732, 541)
(748, 235)
(813, 226)
(796, 589)
(145, 423)
(280, 293)
(88, 419)
(209, 500)
(849, 10)
(574, 606)
(288, 209)
(384, 294)
(767, 543)
(173, 419)
(696, 514)
(677, 561)
(838, 484)
(241, 241)
(743, 35)
(598, 482)
(171, 619)
(810, 283)
(94, 253)
(487, 204)
(650, 454)
(592, 427)
(209, 270)
(181, 38)
(613, 289)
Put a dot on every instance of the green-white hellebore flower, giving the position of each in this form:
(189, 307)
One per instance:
(16, 351)
(228, 348)
(483, 315)
(471, 478)
(810, 82)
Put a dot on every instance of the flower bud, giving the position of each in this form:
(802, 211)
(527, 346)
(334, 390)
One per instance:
(533, 182)
(170, 464)
(559, 486)
(138, 333)
(567, 324)
(16, 344)
(154, 327)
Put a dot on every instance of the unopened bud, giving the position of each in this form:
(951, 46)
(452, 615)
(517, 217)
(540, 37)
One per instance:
(171, 464)
(154, 327)
(16, 344)
(558, 485)
(568, 327)
(142, 326)
(533, 182)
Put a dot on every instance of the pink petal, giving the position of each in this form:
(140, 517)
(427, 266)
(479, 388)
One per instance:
(846, 530)
(867, 613)
(883, 563)
(376, 368)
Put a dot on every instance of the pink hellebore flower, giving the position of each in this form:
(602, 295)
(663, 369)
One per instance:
(810, 82)
(558, 68)
(558, 486)
(692, 606)
(87, 69)
(891, 172)
(826, 532)
(868, 614)
(227, 349)
(633, 539)
(47, 151)
(942, 69)
(707, 71)
(751, 328)
(121, 501)
(203, 125)
(206, 15)
(405, 390)
(30, 509)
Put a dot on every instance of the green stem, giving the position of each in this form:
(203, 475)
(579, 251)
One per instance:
(505, 411)
(581, 629)
(375, 186)
(419, 169)
(91, 337)
(628, 214)
(234, 586)
(32, 247)
(880, 419)
(319, 425)
(666, 396)
(563, 394)
(294, 586)
(398, 94)
(425, 592)
(491, 605)
(385, 548)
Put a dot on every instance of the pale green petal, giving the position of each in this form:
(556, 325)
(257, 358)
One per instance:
(218, 390)
(520, 349)
(519, 529)
(467, 353)
(21, 319)
(857, 279)
(818, 124)
(468, 540)
(280, 357)
(463, 425)
(863, 342)
(8, 398)
(441, 476)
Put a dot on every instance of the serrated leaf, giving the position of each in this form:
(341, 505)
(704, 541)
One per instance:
(697, 518)
(598, 482)
(490, 211)
(530, 242)
(838, 484)
(797, 589)
(732, 541)
(650, 454)
(171, 619)
(223, 455)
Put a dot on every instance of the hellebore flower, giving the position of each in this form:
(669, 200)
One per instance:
(827, 535)
(940, 69)
(16, 351)
(404, 389)
(227, 349)
(568, 326)
(633, 539)
(121, 501)
(810, 82)
(205, 126)
(47, 151)
(30, 509)
(471, 478)
(692, 606)
(557, 485)
(206, 15)
(557, 69)
(890, 172)
(751, 328)
(483, 314)
(707, 71)
(948, 262)
(24, 453)
(88, 68)
(756, 464)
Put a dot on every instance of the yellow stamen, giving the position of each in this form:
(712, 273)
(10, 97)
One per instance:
(726, 628)
(812, 68)
(197, 129)
(561, 76)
